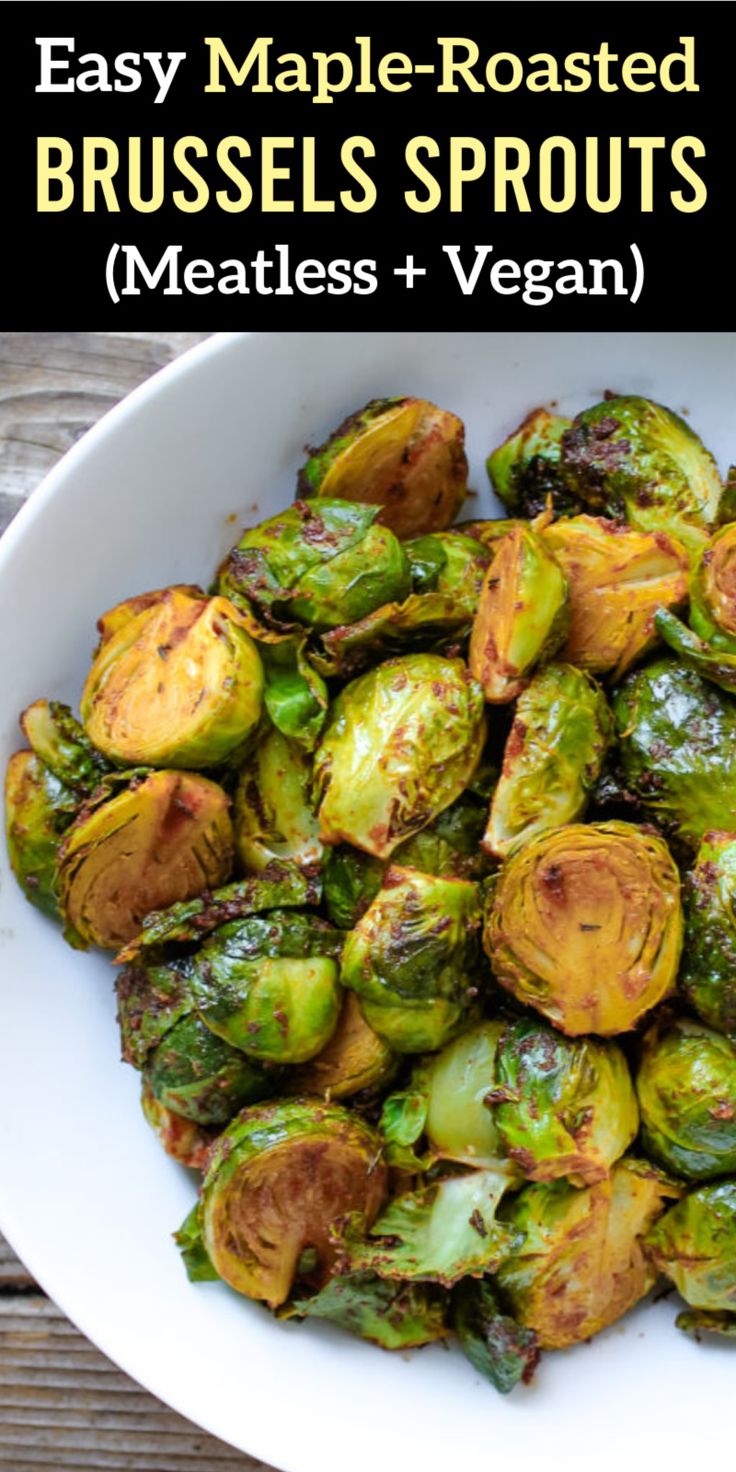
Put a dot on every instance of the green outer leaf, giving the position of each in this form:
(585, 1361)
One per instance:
(708, 971)
(402, 1123)
(687, 1095)
(703, 613)
(152, 998)
(694, 1243)
(190, 1242)
(321, 460)
(274, 816)
(695, 653)
(497, 1347)
(63, 745)
(525, 470)
(352, 880)
(38, 810)
(295, 695)
(271, 558)
(198, 1075)
(392, 1315)
(423, 620)
(698, 1323)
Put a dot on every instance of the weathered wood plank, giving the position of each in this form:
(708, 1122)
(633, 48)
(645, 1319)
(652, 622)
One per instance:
(13, 1275)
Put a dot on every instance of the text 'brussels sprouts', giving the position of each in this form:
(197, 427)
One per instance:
(695, 1245)
(586, 926)
(404, 455)
(687, 1095)
(164, 839)
(413, 959)
(401, 744)
(708, 973)
(179, 684)
(522, 618)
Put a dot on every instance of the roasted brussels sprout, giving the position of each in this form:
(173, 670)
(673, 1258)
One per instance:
(694, 1243)
(586, 925)
(713, 664)
(631, 457)
(354, 1059)
(295, 695)
(495, 1344)
(450, 563)
(402, 454)
(392, 1315)
(152, 997)
(676, 740)
(553, 757)
(61, 744)
(687, 1095)
(163, 839)
(713, 592)
(401, 744)
(321, 564)
(526, 470)
(445, 1106)
(179, 684)
(581, 1264)
(38, 810)
(708, 971)
(195, 1074)
(274, 815)
(618, 578)
(522, 618)
(269, 984)
(413, 959)
(488, 533)
(183, 1139)
(280, 1179)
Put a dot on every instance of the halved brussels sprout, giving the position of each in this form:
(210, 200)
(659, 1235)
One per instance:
(586, 926)
(163, 839)
(708, 972)
(522, 617)
(714, 665)
(195, 1074)
(631, 457)
(274, 815)
(402, 454)
(179, 684)
(618, 579)
(183, 1139)
(355, 1058)
(676, 740)
(321, 564)
(401, 744)
(269, 984)
(687, 1095)
(553, 757)
(280, 1179)
(38, 810)
(694, 1243)
(495, 1344)
(526, 470)
(581, 1263)
(713, 591)
(61, 744)
(392, 1315)
(113, 620)
(413, 959)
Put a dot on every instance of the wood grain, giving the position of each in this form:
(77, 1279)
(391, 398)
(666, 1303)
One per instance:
(63, 1406)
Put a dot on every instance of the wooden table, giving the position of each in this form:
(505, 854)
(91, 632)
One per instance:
(62, 1404)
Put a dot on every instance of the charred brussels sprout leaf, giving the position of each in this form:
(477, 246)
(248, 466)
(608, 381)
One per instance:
(694, 1244)
(450, 563)
(402, 454)
(708, 972)
(63, 746)
(631, 457)
(586, 926)
(196, 1074)
(695, 654)
(151, 1000)
(269, 985)
(618, 578)
(181, 1138)
(489, 533)
(526, 470)
(495, 1344)
(522, 617)
(162, 840)
(38, 810)
(581, 1263)
(401, 744)
(280, 1179)
(274, 814)
(687, 1095)
(392, 1315)
(700, 1323)
(354, 1059)
(413, 959)
(178, 685)
(352, 880)
(676, 741)
(553, 757)
(194, 1253)
(713, 592)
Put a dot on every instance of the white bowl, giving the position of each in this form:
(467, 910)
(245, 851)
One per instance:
(87, 1198)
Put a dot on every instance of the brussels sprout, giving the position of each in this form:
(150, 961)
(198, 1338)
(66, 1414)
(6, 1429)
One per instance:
(488, 533)
(38, 810)
(193, 1251)
(161, 840)
(702, 1322)
(61, 744)
(269, 984)
(402, 454)
(182, 1139)
(392, 1315)
(274, 816)
(694, 1244)
(352, 880)
(618, 578)
(178, 685)
(295, 695)
(695, 654)
(446, 1103)
(713, 592)
(553, 757)
(354, 1059)
(631, 457)
(197, 1075)
(586, 926)
(495, 1344)
(526, 470)
(438, 1233)
(676, 736)
(522, 618)
(413, 959)
(581, 1263)
(321, 564)
(450, 563)
(115, 618)
(687, 1095)
(708, 972)
(151, 1000)
(281, 1177)
(401, 744)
